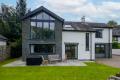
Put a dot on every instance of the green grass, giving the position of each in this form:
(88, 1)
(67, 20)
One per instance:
(7, 61)
(93, 71)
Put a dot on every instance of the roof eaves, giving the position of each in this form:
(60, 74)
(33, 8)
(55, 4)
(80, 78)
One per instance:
(80, 30)
(39, 10)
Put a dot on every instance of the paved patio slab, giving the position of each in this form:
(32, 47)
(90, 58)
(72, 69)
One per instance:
(20, 63)
(69, 63)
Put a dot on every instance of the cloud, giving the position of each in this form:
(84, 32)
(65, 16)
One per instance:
(107, 10)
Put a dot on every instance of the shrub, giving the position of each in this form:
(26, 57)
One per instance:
(116, 45)
(16, 49)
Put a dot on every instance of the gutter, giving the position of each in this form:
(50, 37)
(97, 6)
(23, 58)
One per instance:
(79, 30)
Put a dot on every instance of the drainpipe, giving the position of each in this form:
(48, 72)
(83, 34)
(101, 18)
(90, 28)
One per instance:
(91, 46)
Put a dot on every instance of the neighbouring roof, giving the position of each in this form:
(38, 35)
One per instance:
(40, 9)
(2, 38)
(0, 14)
(116, 31)
(83, 26)
(77, 26)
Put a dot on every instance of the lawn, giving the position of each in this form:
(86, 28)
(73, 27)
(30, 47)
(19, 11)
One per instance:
(93, 71)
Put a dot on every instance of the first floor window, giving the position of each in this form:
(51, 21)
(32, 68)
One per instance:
(43, 48)
(43, 30)
(99, 48)
(98, 33)
(42, 27)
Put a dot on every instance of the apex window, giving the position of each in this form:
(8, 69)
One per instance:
(43, 27)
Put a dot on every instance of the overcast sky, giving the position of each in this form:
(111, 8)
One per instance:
(73, 10)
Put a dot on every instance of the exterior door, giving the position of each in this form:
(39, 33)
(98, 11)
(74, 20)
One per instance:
(71, 51)
(100, 51)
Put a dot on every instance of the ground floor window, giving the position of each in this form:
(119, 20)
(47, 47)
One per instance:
(71, 51)
(99, 48)
(43, 48)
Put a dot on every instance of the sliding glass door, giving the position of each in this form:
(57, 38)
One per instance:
(71, 51)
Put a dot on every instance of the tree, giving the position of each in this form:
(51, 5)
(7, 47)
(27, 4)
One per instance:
(112, 23)
(21, 9)
(8, 12)
(4, 28)
(9, 27)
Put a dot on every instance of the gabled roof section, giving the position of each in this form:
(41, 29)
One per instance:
(84, 26)
(78, 26)
(98, 25)
(40, 9)
(2, 38)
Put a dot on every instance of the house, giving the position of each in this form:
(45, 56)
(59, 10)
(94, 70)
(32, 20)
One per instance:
(116, 34)
(1, 15)
(45, 33)
(3, 45)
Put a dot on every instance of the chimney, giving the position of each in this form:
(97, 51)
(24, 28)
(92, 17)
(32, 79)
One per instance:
(29, 10)
(83, 19)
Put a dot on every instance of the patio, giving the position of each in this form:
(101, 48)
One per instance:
(20, 63)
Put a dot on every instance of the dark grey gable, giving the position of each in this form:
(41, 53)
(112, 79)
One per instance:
(42, 9)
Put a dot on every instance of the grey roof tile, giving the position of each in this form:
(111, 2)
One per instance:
(87, 26)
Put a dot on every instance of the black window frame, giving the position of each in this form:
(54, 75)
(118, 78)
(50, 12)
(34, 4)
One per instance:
(39, 20)
(43, 53)
(101, 48)
(87, 41)
(69, 45)
(99, 33)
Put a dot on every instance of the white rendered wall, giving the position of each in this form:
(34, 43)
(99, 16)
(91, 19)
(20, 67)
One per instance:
(105, 36)
(80, 38)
